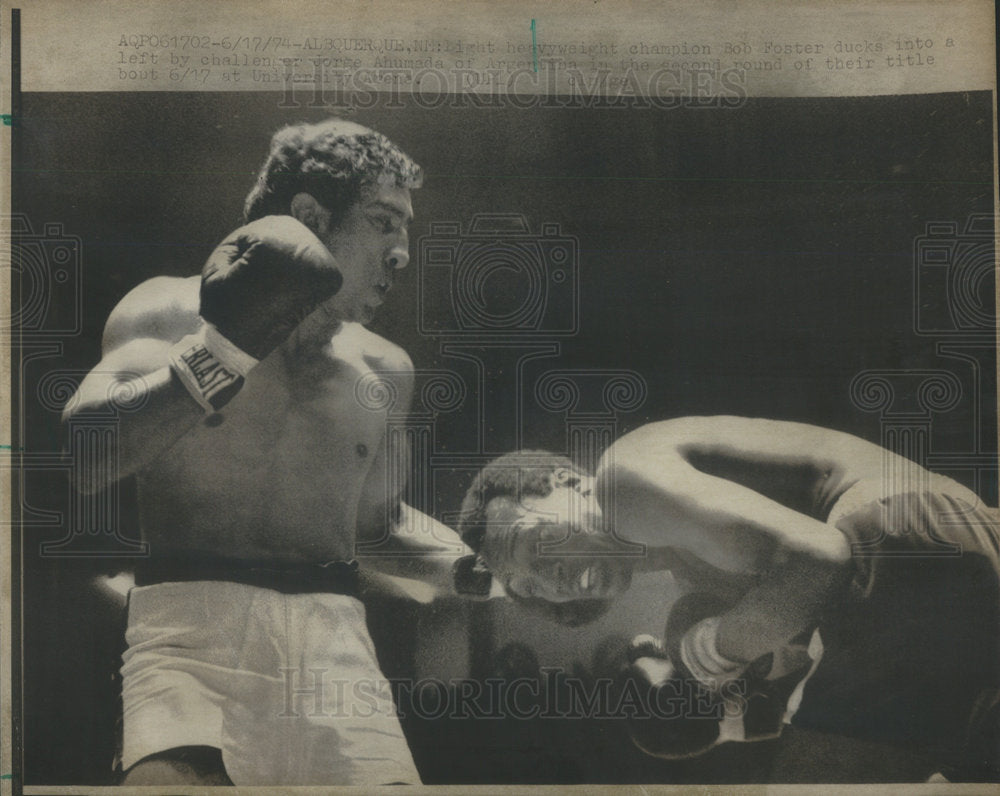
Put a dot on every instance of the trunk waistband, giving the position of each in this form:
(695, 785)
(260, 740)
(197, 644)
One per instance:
(336, 577)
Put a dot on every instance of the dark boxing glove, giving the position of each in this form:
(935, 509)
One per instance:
(256, 287)
(756, 694)
(263, 279)
(471, 577)
(681, 712)
(716, 699)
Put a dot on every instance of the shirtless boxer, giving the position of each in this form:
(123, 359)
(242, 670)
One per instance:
(258, 471)
(786, 528)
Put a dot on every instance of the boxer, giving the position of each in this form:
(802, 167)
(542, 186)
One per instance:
(784, 529)
(258, 472)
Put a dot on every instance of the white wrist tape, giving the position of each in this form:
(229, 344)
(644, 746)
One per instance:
(702, 658)
(210, 366)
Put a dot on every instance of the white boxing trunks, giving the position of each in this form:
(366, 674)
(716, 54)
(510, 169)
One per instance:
(287, 686)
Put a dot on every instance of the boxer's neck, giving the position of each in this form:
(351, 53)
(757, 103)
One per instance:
(316, 330)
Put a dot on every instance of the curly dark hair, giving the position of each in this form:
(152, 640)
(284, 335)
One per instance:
(523, 473)
(333, 161)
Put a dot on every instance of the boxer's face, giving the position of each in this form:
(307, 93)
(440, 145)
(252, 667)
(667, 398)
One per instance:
(554, 547)
(370, 244)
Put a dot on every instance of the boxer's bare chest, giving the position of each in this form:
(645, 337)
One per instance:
(281, 470)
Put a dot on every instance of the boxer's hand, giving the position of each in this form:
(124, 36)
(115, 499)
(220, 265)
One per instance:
(682, 713)
(472, 578)
(263, 279)
(678, 717)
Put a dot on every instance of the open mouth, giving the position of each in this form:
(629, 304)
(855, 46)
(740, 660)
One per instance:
(591, 580)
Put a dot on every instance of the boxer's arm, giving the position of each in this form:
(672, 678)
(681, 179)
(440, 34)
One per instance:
(257, 286)
(788, 601)
(134, 383)
(411, 545)
(801, 570)
(661, 498)
(417, 556)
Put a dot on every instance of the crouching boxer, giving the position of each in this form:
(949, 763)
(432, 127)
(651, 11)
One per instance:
(805, 545)
(258, 470)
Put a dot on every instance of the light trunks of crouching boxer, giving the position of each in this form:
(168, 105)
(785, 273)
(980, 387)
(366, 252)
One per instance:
(258, 472)
(826, 574)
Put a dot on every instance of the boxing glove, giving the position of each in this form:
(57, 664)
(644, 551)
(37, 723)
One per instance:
(755, 695)
(256, 287)
(471, 577)
(263, 279)
(714, 699)
(680, 714)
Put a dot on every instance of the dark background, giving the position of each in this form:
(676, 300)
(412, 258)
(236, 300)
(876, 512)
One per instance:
(747, 261)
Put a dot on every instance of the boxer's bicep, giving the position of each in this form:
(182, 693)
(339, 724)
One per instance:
(661, 499)
(733, 508)
(133, 369)
(135, 344)
(152, 409)
(162, 308)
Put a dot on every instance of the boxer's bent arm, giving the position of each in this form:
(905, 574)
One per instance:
(662, 499)
(804, 568)
(418, 547)
(787, 602)
(760, 453)
(165, 410)
(134, 372)
(412, 545)
(677, 506)
(711, 521)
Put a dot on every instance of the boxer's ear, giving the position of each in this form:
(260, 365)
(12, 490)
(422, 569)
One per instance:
(305, 208)
(472, 577)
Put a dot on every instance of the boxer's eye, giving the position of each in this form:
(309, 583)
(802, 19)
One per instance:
(383, 223)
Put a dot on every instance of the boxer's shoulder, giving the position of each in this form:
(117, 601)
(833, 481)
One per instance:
(379, 354)
(161, 308)
(652, 447)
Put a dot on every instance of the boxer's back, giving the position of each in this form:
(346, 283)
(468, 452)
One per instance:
(279, 473)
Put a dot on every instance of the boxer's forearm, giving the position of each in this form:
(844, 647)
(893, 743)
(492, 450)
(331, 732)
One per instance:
(773, 613)
(151, 413)
(417, 547)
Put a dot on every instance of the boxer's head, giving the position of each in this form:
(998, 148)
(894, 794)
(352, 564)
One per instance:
(333, 161)
(532, 518)
(351, 187)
